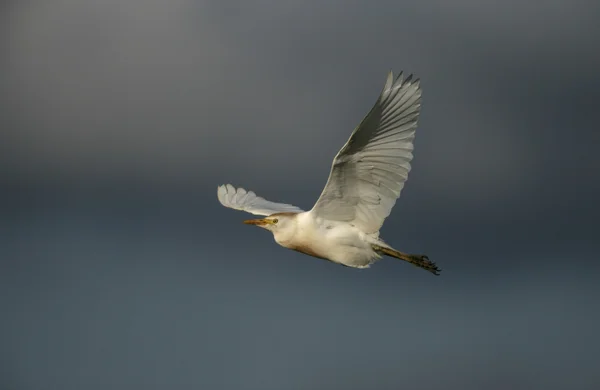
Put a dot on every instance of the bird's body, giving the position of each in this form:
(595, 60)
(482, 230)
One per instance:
(366, 178)
(338, 242)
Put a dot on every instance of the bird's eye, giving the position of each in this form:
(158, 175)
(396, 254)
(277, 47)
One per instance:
(275, 220)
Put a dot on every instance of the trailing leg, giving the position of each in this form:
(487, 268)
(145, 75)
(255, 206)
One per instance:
(420, 261)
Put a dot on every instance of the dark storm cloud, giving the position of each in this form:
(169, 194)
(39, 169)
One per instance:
(164, 90)
(120, 269)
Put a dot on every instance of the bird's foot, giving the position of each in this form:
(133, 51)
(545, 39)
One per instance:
(423, 261)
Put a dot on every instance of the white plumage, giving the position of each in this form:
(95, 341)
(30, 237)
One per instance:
(366, 178)
(240, 199)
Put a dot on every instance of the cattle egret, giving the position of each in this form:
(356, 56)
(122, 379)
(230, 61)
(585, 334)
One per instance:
(366, 178)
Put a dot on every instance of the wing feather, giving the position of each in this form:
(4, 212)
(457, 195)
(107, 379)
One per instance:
(240, 199)
(368, 173)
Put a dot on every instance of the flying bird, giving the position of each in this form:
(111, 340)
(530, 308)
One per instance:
(366, 178)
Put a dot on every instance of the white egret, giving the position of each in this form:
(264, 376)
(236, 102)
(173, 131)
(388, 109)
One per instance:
(366, 178)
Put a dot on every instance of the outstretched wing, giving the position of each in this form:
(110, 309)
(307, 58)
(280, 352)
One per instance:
(368, 173)
(240, 199)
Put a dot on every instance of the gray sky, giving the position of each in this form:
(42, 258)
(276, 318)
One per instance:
(120, 118)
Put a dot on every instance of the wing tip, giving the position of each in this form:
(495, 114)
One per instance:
(225, 190)
(399, 81)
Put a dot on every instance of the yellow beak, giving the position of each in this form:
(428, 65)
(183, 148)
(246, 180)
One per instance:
(258, 222)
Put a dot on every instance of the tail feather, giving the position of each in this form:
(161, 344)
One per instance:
(420, 261)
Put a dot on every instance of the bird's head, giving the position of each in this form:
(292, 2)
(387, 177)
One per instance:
(279, 224)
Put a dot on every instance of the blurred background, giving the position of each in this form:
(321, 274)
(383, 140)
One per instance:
(120, 269)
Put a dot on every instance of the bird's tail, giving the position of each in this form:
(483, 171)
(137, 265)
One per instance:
(420, 261)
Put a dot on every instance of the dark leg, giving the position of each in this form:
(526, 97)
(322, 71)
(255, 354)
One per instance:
(420, 261)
